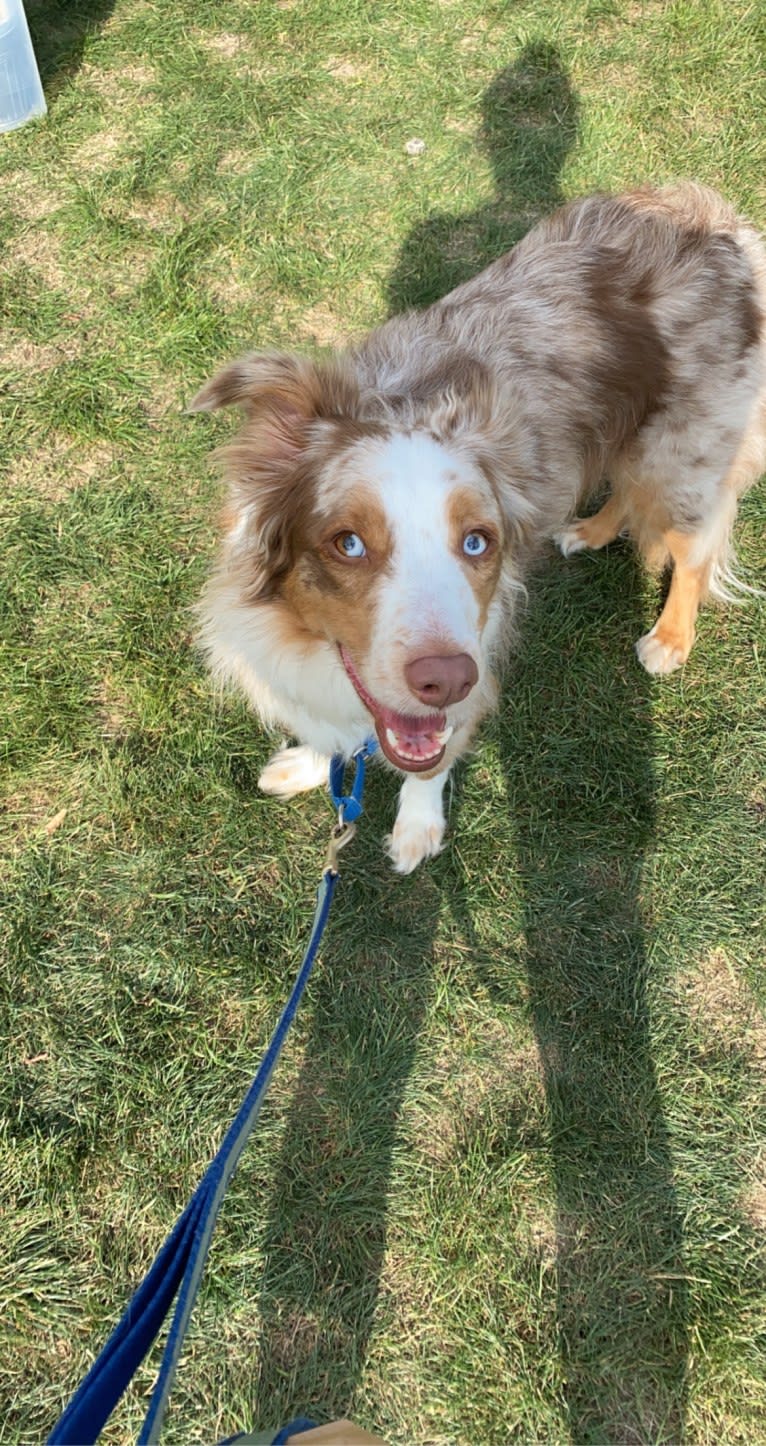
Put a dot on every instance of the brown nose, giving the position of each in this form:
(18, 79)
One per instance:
(440, 681)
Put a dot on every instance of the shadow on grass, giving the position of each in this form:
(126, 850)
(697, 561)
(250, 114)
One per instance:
(326, 1238)
(579, 780)
(59, 30)
(529, 124)
(575, 743)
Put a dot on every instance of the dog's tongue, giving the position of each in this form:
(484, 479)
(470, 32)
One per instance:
(407, 739)
(424, 741)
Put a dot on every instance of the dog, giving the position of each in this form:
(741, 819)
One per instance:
(385, 502)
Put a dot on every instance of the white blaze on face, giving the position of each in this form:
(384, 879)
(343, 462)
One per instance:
(426, 603)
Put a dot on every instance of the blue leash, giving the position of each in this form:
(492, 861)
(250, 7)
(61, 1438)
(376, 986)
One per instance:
(181, 1260)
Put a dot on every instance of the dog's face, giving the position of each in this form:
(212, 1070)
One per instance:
(398, 565)
(388, 544)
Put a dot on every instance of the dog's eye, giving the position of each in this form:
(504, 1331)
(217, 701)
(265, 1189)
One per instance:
(475, 543)
(349, 544)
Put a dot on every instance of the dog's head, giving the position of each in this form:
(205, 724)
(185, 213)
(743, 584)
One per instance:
(392, 542)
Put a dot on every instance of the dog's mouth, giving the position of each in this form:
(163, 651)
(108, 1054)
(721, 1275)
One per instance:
(411, 743)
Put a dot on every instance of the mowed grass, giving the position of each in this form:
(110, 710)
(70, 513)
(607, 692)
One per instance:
(509, 1184)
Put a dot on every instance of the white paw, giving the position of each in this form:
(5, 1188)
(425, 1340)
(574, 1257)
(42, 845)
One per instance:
(659, 654)
(294, 770)
(570, 540)
(414, 840)
(419, 829)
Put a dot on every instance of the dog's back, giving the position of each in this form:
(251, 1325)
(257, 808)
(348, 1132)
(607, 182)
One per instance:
(623, 338)
(612, 310)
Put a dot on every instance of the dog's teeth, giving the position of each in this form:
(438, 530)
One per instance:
(445, 735)
(417, 757)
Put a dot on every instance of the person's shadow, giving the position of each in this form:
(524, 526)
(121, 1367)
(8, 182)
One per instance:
(574, 739)
(529, 124)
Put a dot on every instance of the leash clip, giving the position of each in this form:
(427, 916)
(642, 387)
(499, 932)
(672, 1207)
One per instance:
(349, 806)
(342, 833)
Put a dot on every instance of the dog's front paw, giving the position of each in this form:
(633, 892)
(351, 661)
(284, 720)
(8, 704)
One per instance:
(419, 829)
(294, 770)
(412, 841)
(573, 538)
(662, 651)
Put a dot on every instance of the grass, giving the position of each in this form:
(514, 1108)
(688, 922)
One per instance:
(509, 1185)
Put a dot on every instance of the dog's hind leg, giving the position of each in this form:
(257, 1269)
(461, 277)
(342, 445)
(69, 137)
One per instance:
(704, 561)
(668, 644)
(294, 770)
(592, 532)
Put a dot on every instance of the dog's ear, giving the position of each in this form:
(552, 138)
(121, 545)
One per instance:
(273, 381)
(258, 381)
(281, 396)
(270, 464)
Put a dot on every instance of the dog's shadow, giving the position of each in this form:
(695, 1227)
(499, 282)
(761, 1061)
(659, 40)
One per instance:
(575, 745)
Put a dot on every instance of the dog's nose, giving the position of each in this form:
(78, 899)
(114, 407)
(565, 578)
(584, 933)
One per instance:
(439, 681)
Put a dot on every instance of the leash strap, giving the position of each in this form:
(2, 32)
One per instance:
(181, 1260)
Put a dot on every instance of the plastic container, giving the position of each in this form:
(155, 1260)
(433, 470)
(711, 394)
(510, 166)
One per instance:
(21, 93)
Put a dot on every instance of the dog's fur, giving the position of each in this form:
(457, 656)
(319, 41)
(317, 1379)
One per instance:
(385, 502)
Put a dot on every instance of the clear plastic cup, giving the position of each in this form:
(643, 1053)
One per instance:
(21, 93)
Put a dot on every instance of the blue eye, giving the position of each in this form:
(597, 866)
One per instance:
(350, 545)
(475, 543)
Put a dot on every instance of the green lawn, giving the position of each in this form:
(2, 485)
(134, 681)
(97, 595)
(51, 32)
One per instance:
(510, 1184)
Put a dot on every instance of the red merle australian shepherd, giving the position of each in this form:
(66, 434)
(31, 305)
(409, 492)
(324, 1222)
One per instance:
(384, 502)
